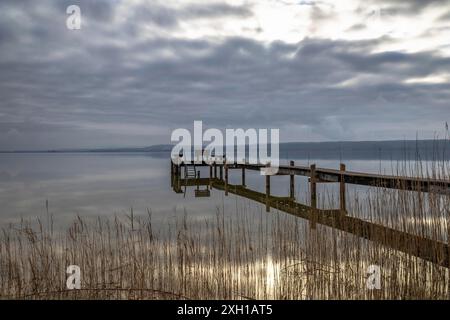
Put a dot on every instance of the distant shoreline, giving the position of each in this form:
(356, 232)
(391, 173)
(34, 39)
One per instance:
(363, 150)
(168, 147)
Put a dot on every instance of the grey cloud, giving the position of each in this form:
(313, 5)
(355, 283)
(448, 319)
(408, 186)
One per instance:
(215, 10)
(410, 7)
(445, 16)
(417, 4)
(357, 27)
(170, 18)
(71, 89)
(158, 15)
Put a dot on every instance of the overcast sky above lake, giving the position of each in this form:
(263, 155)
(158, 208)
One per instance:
(318, 70)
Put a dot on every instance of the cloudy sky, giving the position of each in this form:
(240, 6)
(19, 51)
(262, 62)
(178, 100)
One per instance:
(317, 70)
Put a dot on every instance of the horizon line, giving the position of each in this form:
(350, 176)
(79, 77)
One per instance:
(112, 149)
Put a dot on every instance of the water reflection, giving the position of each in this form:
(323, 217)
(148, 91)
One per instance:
(269, 255)
(92, 184)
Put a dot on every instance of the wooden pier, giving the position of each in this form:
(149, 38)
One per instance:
(321, 175)
(428, 249)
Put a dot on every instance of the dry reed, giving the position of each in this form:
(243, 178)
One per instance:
(243, 254)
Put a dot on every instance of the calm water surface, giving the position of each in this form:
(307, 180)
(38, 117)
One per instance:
(96, 184)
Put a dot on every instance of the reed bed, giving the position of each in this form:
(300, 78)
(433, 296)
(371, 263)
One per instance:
(234, 253)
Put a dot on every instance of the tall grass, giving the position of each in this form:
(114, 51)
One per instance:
(244, 253)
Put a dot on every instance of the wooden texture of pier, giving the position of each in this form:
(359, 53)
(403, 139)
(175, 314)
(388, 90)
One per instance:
(430, 250)
(358, 178)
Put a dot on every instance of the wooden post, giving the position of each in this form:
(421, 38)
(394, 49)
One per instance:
(221, 171)
(342, 189)
(267, 190)
(175, 171)
(215, 170)
(171, 173)
(210, 176)
(313, 185)
(226, 177)
(292, 183)
(178, 174)
(198, 180)
(243, 175)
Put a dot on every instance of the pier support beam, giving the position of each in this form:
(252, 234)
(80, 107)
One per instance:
(172, 171)
(215, 170)
(175, 170)
(226, 177)
(210, 176)
(243, 176)
(221, 171)
(198, 180)
(178, 175)
(267, 191)
(292, 183)
(313, 190)
(342, 189)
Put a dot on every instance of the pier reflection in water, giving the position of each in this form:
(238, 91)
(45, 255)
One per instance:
(425, 248)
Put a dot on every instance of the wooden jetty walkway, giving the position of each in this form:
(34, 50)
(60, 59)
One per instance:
(331, 175)
(320, 175)
(431, 250)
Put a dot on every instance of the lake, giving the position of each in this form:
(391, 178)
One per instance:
(227, 247)
(105, 184)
